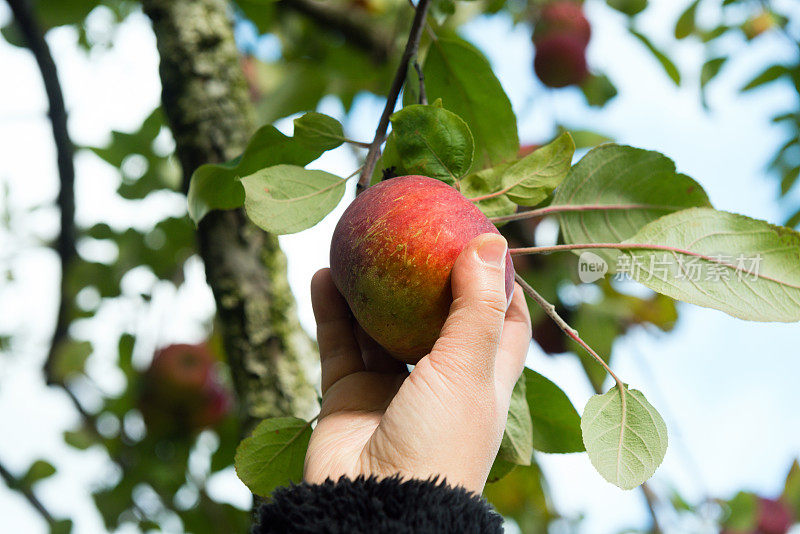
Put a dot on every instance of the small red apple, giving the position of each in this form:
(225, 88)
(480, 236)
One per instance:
(560, 61)
(181, 391)
(391, 257)
(774, 517)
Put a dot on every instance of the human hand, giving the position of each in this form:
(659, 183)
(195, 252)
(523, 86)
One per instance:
(447, 416)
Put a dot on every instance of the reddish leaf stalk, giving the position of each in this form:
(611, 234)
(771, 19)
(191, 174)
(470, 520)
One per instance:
(549, 210)
(551, 312)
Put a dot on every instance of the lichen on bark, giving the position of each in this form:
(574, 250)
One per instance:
(205, 99)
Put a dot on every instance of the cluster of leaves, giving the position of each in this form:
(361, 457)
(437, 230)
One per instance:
(749, 21)
(743, 21)
(55, 13)
(629, 202)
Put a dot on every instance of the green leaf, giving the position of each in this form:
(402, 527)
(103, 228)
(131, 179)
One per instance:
(70, 358)
(708, 72)
(273, 454)
(628, 7)
(522, 496)
(500, 468)
(287, 88)
(768, 75)
(80, 439)
(50, 14)
(461, 76)
(487, 181)
(586, 138)
(710, 69)
(125, 358)
(531, 179)
(666, 63)
(625, 437)
(789, 178)
(686, 22)
(517, 444)
(39, 470)
(217, 186)
(745, 267)
(791, 489)
(794, 220)
(706, 36)
(318, 130)
(61, 526)
(742, 513)
(598, 90)
(556, 423)
(432, 141)
(284, 199)
(619, 189)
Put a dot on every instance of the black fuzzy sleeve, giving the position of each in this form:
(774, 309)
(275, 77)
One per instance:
(371, 506)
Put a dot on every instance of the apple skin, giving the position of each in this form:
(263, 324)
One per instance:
(181, 393)
(774, 516)
(563, 18)
(560, 61)
(391, 257)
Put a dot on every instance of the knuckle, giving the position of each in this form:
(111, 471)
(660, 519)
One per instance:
(493, 301)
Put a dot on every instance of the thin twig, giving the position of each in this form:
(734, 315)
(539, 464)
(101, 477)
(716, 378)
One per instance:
(14, 483)
(423, 98)
(65, 246)
(412, 45)
(551, 312)
(651, 499)
(360, 144)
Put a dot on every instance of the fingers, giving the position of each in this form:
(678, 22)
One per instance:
(514, 343)
(338, 350)
(470, 338)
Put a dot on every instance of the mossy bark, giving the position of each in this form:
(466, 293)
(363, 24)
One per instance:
(205, 99)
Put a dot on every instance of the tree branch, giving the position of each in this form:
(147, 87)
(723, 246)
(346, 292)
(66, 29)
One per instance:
(357, 28)
(412, 45)
(14, 483)
(65, 245)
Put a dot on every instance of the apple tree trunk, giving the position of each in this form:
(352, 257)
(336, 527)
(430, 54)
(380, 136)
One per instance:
(205, 99)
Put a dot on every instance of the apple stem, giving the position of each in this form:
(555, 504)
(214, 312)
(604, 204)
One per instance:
(412, 45)
(551, 312)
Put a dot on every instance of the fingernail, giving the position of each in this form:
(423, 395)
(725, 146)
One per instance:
(493, 251)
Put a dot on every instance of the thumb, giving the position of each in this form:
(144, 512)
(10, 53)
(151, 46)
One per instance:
(469, 341)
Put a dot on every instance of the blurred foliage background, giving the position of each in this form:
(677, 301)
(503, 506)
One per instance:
(177, 402)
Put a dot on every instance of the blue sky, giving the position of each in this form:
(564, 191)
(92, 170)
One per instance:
(727, 388)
